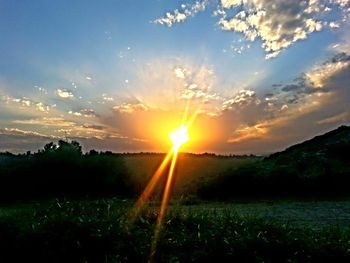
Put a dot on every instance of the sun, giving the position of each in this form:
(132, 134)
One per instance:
(179, 137)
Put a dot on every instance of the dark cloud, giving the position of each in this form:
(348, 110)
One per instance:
(94, 127)
(277, 85)
(291, 87)
(341, 57)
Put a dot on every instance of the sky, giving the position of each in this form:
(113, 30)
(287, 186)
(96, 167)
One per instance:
(255, 76)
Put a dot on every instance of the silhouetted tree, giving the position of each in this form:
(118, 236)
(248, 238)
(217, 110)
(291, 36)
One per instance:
(61, 169)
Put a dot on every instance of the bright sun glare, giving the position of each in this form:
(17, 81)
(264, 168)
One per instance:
(179, 136)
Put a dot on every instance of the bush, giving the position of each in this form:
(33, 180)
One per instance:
(62, 170)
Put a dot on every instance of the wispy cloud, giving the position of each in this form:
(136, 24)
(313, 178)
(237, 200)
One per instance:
(293, 111)
(73, 129)
(257, 131)
(320, 74)
(24, 102)
(47, 121)
(180, 15)
(243, 97)
(87, 113)
(15, 131)
(130, 107)
(339, 118)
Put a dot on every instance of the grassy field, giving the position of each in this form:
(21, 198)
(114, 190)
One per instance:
(192, 170)
(97, 231)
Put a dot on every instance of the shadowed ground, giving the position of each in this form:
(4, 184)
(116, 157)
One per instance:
(96, 231)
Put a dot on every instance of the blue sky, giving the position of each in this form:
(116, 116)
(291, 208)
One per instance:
(96, 70)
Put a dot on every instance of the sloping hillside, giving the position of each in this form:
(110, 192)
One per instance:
(334, 144)
(317, 167)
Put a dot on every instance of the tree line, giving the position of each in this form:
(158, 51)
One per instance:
(60, 170)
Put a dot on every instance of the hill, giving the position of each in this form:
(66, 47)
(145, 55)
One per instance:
(333, 144)
(317, 167)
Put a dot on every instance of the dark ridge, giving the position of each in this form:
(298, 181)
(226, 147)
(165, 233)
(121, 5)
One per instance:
(339, 135)
(317, 168)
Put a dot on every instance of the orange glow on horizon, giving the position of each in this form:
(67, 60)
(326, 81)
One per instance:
(178, 137)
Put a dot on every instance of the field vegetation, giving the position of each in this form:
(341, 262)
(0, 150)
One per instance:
(98, 231)
(62, 205)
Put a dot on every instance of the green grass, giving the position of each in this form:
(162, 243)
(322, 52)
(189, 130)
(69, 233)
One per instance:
(192, 170)
(97, 231)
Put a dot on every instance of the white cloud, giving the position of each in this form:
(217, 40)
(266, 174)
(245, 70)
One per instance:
(193, 91)
(64, 94)
(334, 24)
(42, 107)
(231, 3)
(243, 97)
(75, 113)
(25, 102)
(284, 107)
(277, 23)
(180, 73)
(170, 18)
(88, 113)
(107, 98)
(181, 15)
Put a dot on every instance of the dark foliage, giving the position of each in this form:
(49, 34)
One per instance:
(316, 168)
(61, 170)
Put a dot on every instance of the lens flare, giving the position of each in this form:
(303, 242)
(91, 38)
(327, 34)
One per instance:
(179, 137)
